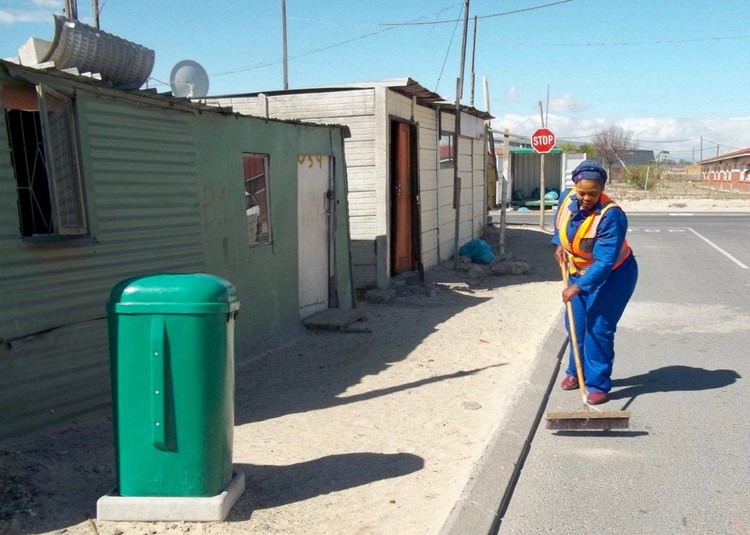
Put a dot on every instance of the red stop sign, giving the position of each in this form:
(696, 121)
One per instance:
(543, 140)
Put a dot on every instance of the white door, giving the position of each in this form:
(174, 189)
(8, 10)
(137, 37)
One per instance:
(572, 159)
(313, 178)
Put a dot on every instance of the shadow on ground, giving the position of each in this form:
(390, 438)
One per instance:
(272, 486)
(672, 379)
(312, 373)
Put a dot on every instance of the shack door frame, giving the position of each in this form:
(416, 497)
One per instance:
(405, 209)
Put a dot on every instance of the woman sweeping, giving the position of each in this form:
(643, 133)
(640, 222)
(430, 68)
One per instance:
(590, 235)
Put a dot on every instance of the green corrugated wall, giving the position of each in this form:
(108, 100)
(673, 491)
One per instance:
(165, 192)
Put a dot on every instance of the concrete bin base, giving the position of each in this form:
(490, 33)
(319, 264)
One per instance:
(158, 508)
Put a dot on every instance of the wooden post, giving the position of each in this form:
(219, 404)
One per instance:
(456, 178)
(494, 165)
(457, 129)
(473, 53)
(285, 59)
(541, 173)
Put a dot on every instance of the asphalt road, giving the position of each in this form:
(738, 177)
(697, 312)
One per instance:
(682, 368)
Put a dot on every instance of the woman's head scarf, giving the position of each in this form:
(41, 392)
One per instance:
(590, 170)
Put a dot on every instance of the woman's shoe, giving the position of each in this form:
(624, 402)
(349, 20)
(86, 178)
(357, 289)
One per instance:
(596, 398)
(569, 383)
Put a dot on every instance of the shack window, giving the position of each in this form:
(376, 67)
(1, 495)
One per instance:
(44, 155)
(447, 149)
(257, 205)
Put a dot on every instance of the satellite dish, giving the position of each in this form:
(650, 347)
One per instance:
(189, 79)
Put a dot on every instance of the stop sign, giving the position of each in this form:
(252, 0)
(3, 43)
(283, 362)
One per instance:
(543, 140)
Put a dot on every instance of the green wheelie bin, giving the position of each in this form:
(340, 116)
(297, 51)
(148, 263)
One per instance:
(171, 339)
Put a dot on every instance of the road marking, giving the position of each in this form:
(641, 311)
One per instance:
(683, 214)
(722, 251)
(667, 229)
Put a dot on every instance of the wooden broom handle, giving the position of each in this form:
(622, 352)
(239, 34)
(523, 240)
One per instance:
(573, 335)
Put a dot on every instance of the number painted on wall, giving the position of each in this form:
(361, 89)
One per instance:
(312, 160)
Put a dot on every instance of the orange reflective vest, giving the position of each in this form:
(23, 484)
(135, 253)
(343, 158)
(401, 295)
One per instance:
(580, 249)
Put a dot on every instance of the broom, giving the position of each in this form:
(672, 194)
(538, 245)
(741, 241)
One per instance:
(589, 417)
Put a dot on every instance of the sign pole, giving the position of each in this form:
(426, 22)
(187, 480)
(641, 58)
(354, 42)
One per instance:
(541, 192)
(542, 141)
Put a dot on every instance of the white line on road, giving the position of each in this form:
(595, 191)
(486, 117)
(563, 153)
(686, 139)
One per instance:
(722, 251)
(681, 214)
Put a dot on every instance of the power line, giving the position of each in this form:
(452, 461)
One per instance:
(639, 141)
(447, 52)
(668, 140)
(348, 24)
(624, 43)
(311, 52)
(504, 13)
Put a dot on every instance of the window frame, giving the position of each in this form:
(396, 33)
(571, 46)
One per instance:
(59, 144)
(266, 202)
(447, 163)
(54, 174)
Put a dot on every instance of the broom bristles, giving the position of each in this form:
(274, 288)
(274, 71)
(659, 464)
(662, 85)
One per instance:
(588, 420)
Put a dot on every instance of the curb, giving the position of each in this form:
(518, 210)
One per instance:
(487, 493)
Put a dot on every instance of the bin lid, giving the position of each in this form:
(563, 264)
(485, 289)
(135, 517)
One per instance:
(173, 293)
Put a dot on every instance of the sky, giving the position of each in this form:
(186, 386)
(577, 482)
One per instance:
(672, 74)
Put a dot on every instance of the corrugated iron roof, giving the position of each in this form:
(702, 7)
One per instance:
(48, 71)
(727, 155)
(405, 86)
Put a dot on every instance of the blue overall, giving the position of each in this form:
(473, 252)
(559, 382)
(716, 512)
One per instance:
(604, 294)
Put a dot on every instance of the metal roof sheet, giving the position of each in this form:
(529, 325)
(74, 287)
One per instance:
(727, 155)
(48, 72)
(405, 86)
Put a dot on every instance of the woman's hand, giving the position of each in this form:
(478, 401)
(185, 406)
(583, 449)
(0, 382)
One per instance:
(570, 292)
(560, 254)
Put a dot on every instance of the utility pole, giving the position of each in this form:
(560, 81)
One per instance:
(283, 44)
(463, 52)
(541, 175)
(473, 54)
(95, 8)
(457, 128)
(71, 9)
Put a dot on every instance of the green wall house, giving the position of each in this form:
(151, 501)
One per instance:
(98, 185)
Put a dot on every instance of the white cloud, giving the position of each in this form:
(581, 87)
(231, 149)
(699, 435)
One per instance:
(680, 136)
(512, 94)
(29, 11)
(15, 17)
(566, 102)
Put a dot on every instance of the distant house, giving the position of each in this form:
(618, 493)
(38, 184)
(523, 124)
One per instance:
(399, 162)
(98, 185)
(729, 171)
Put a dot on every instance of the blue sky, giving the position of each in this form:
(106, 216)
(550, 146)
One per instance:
(667, 71)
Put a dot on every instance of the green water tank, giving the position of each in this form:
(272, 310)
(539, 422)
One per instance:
(171, 340)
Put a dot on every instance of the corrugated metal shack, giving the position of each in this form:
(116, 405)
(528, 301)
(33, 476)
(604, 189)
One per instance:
(399, 166)
(98, 185)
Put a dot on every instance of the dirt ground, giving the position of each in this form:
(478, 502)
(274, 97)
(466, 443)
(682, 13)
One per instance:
(367, 432)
